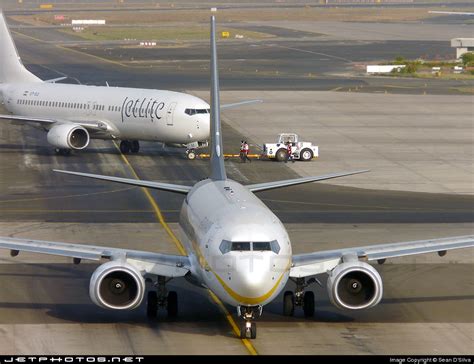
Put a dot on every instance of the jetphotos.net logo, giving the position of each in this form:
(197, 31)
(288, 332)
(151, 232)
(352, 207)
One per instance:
(71, 359)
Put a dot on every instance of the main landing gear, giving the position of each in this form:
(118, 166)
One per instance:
(248, 328)
(300, 298)
(127, 146)
(62, 151)
(161, 298)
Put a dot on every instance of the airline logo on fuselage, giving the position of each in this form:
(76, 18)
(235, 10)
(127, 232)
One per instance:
(142, 108)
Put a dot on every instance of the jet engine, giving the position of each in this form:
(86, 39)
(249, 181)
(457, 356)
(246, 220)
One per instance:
(354, 285)
(117, 285)
(68, 136)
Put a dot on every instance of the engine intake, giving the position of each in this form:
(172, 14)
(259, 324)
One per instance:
(68, 136)
(354, 285)
(117, 285)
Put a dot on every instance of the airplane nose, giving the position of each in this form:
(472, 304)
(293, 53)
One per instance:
(251, 279)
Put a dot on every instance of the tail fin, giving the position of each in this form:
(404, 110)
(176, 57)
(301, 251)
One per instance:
(217, 150)
(11, 68)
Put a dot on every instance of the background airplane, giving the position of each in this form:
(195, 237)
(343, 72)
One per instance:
(73, 114)
(235, 246)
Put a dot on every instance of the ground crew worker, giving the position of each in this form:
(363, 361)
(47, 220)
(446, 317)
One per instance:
(242, 151)
(246, 152)
(289, 153)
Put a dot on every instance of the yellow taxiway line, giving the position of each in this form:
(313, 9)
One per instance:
(248, 345)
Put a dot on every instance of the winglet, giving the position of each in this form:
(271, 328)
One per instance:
(217, 150)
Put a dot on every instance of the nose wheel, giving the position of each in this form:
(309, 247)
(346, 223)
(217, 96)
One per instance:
(248, 328)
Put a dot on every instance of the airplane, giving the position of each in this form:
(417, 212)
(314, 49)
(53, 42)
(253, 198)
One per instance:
(235, 246)
(72, 114)
(451, 13)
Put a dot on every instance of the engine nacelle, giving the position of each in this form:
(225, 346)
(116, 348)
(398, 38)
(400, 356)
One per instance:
(354, 285)
(117, 285)
(68, 136)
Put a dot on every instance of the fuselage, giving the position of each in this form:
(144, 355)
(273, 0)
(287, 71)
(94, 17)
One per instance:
(127, 113)
(239, 249)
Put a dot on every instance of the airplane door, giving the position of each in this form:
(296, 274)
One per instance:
(169, 114)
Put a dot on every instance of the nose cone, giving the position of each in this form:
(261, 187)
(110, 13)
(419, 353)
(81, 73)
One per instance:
(252, 276)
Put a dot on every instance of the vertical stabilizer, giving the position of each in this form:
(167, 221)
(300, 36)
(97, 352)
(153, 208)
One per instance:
(217, 150)
(11, 68)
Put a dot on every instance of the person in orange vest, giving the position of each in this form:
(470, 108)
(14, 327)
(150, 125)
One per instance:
(289, 153)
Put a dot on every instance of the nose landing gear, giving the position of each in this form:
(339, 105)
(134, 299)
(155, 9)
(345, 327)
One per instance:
(248, 329)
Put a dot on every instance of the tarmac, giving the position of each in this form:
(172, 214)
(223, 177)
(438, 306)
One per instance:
(428, 302)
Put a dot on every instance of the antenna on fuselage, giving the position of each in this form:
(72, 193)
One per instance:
(217, 149)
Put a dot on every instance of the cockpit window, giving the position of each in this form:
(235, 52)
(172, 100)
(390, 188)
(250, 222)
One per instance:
(265, 245)
(197, 111)
(240, 246)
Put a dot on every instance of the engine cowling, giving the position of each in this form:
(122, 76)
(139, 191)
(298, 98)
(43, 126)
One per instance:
(117, 285)
(68, 136)
(354, 285)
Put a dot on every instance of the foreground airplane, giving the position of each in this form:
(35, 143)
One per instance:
(236, 247)
(73, 114)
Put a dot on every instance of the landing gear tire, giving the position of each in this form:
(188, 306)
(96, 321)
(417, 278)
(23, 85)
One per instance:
(306, 155)
(288, 303)
(62, 151)
(172, 304)
(281, 155)
(125, 146)
(191, 154)
(152, 305)
(248, 330)
(135, 146)
(253, 331)
(308, 304)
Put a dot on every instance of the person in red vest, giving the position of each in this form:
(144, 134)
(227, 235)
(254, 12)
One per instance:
(289, 153)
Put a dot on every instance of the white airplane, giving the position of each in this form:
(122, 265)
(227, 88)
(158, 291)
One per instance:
(236, 247)
(451, 13)
(73, 114)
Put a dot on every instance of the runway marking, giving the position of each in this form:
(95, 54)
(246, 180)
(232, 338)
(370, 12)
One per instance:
(67, 196)
(233, 324)
(311, 52)
(153, 203)
(336, 89)
(248, 345)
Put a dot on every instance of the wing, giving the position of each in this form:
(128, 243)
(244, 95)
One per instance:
(298, 181)
(159, 264)
(93, 125)
(320, 262)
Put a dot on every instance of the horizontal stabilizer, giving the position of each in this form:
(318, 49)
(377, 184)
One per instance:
(298, 181)
(134, 182)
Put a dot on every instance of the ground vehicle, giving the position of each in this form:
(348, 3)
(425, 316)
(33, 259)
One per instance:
(304, 151)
